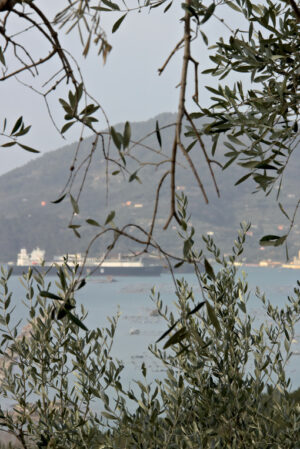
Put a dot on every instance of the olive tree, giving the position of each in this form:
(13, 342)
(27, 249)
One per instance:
(258, 126)
(54, 372)
(225, 383)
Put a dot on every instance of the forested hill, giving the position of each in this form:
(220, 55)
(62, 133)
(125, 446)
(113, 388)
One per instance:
(29, 219)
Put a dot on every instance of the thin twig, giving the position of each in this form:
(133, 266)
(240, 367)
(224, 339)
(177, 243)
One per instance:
(188, 158)
(292, 221)
(156, 206)
(196, 94)
(173, 187)
(177, 47)
(201, 143)
(181, 108)
(28, 67)
(177, 137)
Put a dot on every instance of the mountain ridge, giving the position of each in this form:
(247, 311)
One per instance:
(29, 219)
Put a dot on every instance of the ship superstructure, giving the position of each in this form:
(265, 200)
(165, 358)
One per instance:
(118, 266)
(36, 257)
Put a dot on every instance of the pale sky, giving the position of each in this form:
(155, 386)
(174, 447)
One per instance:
(128, 86)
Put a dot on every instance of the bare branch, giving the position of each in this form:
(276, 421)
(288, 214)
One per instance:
(196, 94)
(173, 187)
(28, 67)
(177, 47)
(188, 158)
(156, 207)
(209, 162)
(181, 108)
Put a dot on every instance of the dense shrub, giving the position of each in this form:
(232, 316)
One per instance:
(224, 385)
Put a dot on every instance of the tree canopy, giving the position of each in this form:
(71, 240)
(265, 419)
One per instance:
(258, 126)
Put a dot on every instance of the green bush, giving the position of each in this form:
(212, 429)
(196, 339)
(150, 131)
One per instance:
(52, 370)
(224, 384)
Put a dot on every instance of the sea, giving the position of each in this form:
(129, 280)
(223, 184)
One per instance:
(138, 324)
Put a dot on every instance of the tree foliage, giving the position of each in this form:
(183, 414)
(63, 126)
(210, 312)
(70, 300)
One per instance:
(258, 126)
(225, 383)
(51, 372)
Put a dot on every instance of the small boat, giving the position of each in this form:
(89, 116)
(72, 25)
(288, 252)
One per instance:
(134, 332)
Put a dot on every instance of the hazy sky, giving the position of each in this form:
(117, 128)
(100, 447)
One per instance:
(128, 86)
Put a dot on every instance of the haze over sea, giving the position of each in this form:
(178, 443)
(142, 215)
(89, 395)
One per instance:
(131, 296)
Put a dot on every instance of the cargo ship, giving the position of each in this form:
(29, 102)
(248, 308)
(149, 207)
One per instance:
(93, 266)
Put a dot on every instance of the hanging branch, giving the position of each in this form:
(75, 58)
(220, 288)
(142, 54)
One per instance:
(156, 208)
(181, 108)
(184, 70)
(196, 93)
(202, 146)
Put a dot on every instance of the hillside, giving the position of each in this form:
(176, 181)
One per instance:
(29, 219)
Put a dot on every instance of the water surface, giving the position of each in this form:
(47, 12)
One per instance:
(131, 297)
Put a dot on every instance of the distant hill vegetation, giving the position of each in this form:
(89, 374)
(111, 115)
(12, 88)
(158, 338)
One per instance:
(29, 219)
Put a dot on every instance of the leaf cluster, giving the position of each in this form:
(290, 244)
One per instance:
(225, 383)
(53, 369)
(267, 114)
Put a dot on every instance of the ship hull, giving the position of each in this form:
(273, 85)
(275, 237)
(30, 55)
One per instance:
(152, 270)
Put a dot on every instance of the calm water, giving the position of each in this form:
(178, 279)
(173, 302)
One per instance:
(131, 295)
